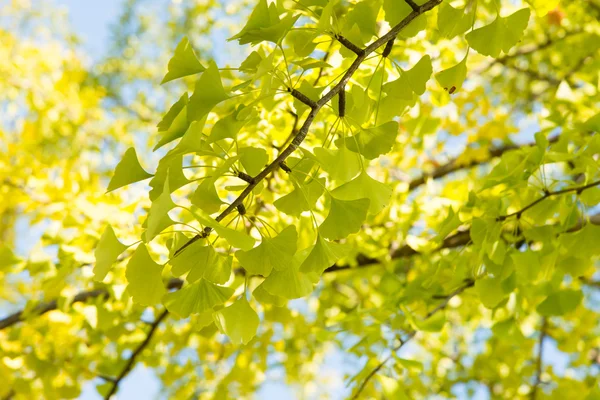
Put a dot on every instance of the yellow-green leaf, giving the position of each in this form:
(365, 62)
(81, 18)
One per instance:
(128, 171)
(363, 186)
(183, 63)
(144, 277)
(501, 35)
(196, 298)
(208, 92)
(106, 253)
(239, 321)
(202, 261)
(345, 217)
(272, 253)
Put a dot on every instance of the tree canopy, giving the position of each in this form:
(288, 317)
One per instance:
(239, 192)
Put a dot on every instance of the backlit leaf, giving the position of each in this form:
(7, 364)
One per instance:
(239, 321)
(208, 92)
(363, 186)
(199, 297)
(202, 261)
(323, 255)
(127, 171)
(183, 63)
(106, 252)
(501, 35)
(345, 217)
(145, 278)
(272, 253)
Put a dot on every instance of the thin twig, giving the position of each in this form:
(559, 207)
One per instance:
(469, 283)
(453, 165)
(81, 297)
(577, 189)
(135, 354)
(539, 362)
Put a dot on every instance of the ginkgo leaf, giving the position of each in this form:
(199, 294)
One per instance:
(302, 42)
(175, 123)
(264, 24)
(235, 238)
(106, 252)
(239, 321)
(302, 198)
(199, 297)
(193, 141)
(325, 20)
(411, 82)
(364, 15)
(229, 126)
(560, 302)
(323, 255)
(173, 112)
(310, 63)
(171, 168)
(490, 291)
(127, 171)
(396, 11)
(183, 63)
(158, 211)
(205, 196)
(453, 78)
(202, 261)
(363, 186)
(208, 92)
(450, 223)
(265, 297)
(454, 21)
(501, 35)
(345, 217)
(250, 64)
(163, 223)
(340, 164)
(272, 253)
(253, 159)
(145, 278)
(392, 106)
(289, 283)
(373, 142)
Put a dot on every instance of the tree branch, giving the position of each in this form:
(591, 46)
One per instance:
(539, 362)
(547, 195)
(412, 4)
(301, 135)
(349, 45)
(468, 284)
(244, 176)
(81, 297)
(43, 308)
(453, 165)
(135, 354)
(302, 97)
